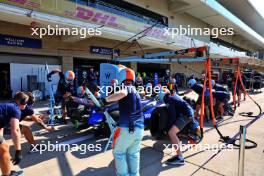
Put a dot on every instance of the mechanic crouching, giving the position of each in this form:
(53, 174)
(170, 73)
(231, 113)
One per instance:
(28, 114)
(180, 115)
(128, 136)
(221, 99)
(9, 115)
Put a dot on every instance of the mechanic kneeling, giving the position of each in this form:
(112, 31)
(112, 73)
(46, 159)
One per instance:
(128, 136)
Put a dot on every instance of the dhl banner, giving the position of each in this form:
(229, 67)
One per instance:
(73, 10)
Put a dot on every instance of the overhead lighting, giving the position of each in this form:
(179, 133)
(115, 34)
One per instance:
(258, 5)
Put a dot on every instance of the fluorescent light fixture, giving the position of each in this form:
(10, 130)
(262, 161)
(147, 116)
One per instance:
(258, 5)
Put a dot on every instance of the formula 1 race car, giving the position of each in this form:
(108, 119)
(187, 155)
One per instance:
(155, 118)
(83, 114)
(97, 117)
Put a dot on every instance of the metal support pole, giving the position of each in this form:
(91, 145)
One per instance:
(242, 143)
(52, 106)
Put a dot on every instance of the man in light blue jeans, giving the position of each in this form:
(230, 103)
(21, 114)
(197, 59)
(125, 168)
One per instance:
(127, 151)
(127, 137)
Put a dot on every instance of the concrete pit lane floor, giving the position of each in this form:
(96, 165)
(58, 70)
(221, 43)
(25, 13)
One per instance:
(199, 162)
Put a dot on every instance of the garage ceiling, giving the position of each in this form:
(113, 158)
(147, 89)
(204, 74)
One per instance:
(200, 10)
(242, 9)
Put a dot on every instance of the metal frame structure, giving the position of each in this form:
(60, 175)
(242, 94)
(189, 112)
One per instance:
(52, 105)
(185, 55)
(197, 55)
(200, 54)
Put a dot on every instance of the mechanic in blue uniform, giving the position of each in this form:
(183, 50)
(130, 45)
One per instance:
(172, 86)
(64, 89)
(78, 106)
(226, 106)
(92, 80)
(198, 89)
(128, 136)
(28, 114)
(222, 98)
(180, 115)
(166, 77)
(82, 98)
(218, 87)
(10, 114)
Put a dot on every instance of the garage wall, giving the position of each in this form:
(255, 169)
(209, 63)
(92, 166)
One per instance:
(192, 68)
(18, 71)
(28, 59)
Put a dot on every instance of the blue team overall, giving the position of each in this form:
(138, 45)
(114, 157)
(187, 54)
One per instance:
(28, 111)
(222, 96)
(180, 113)
(218, 87)
(128, 136)
(198, 88)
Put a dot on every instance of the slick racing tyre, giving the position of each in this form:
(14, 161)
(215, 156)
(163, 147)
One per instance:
(159, 122)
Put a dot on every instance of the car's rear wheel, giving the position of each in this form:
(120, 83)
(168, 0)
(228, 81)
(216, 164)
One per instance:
(159, 122)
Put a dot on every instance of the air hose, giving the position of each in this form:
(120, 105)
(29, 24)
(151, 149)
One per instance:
(208, 74)
(225, 139)
(252, 144)
(222, 137)
(245, 114)
(202, 103)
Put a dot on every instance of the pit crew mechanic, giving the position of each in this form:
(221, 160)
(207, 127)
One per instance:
(128, 136)
(198, 88)
(221, 98)
(64, 89)
(28, 114)
(180, 114)
(9, 115)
